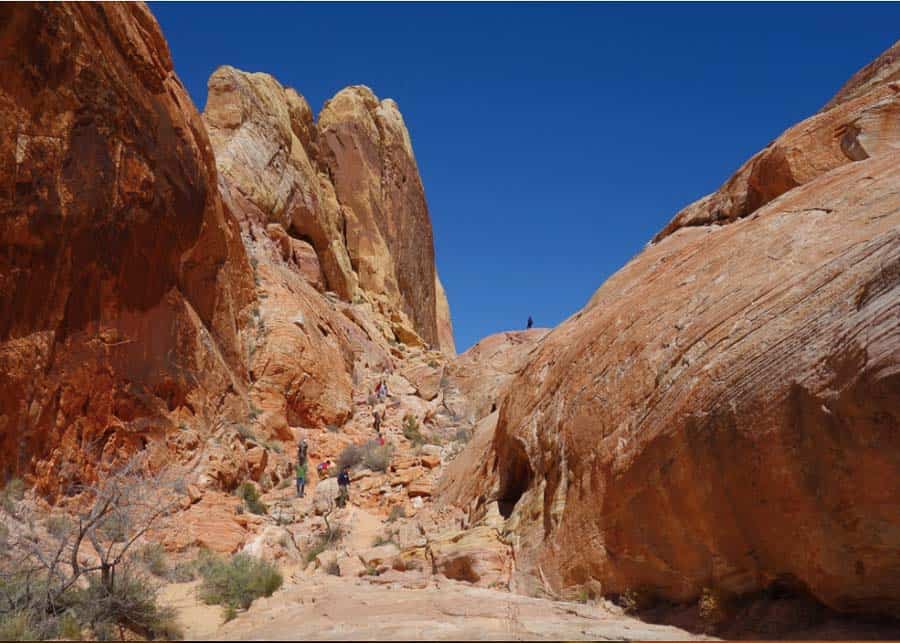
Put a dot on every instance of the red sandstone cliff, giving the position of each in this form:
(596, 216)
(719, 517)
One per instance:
(724, 412)
(122, 280)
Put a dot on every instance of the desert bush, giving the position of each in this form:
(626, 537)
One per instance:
(377, 457)
(250, 495)
(12, 493)
(182, 572)
(412, 431)
(132, 604)
(382, 540)
(236, 583)
(270, 445)
(153, 556)
(462, 436)
(17, 626)
(116, 527)
(351, 456)
(330, 537)
(47, 590)
(245, 432)
(397, 512)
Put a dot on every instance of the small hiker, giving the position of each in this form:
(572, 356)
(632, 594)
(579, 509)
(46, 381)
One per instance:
(530, 322)
(300, 471)
(344, 486)
(322, 468)
(376, 422)
(302, 450)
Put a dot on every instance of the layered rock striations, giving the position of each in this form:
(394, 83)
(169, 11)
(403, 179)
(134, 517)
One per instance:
(122, 280)
(152, 300)
(723, 414)
(347, 184)
(861, 121)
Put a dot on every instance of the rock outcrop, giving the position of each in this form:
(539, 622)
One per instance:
(122, 280)
(862, 121)
(477, 380)
(348, 185)
(724, 412)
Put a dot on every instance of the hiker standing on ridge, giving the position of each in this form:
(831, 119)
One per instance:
(530, 323)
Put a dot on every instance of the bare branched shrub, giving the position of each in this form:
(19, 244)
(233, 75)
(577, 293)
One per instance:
(83, 567)
(351, 456)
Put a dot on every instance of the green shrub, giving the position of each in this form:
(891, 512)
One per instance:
(183, 572)
(17, 626)
(397, 511)
(411, 430)
(377, 456)
(154, 558)
(462, 436)
(249, 494)
(115, 527)
(236, 583)
(12, 493)
(245, 432)
(130, 603)
(351, 456)
(68, 627)
(324, 540)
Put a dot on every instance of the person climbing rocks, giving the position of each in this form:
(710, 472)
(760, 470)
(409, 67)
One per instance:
(376, 422)
(530, 322)
(344, 487)
(300, 471)
(381, 390)
(322, 468)
(302, 450)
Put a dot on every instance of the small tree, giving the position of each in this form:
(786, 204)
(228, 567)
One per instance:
(75, 564)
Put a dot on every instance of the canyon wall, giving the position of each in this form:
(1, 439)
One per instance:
(122, 280)
(150, 299)
(724, 412)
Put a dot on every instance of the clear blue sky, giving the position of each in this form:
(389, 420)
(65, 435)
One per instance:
(553, 140)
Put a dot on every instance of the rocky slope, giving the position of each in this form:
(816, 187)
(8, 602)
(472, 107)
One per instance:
(722, 416)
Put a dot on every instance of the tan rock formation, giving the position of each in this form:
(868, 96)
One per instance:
(265, 145)
(348, 185)
(369, 155)
(122, 280)
(723, 413)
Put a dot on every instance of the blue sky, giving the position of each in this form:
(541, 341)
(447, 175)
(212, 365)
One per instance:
(553, 140)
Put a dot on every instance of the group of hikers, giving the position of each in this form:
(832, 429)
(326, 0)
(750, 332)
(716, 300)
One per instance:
(322, 468)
